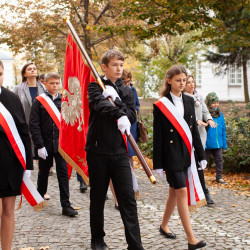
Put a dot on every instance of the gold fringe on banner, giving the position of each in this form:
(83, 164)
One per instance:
(201, 203)
(138, 195)
(69, 160)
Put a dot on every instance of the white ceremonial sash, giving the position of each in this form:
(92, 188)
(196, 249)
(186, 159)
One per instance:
(51, 108)
(196, 197)
(27, 189)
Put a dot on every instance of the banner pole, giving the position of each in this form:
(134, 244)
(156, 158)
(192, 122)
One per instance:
(98, 79)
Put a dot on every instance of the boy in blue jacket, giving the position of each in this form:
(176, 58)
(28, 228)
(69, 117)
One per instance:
(216, 137)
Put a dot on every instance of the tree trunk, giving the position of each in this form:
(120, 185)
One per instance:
(244, 66)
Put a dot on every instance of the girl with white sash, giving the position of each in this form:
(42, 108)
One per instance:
(175, 135)
(11, 169)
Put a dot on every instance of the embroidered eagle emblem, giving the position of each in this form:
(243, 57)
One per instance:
(72, 109)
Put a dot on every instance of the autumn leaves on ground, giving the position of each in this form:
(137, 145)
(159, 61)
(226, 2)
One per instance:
(239, 183)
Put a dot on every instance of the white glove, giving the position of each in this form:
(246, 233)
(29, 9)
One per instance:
(42, 153)
(110, 91)
(159, 172)
(123, 124)
(203, 164)
(28, 172)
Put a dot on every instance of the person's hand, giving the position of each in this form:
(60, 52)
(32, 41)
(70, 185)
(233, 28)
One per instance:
(28, 172)
(201, 123)
(212, 123)
(42, 153)
(109, 91)
(159, 173)
(203, 165)
(123, 124)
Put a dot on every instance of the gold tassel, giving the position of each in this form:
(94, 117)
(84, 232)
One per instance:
(201, 203)
(20, 203)
(40, 206)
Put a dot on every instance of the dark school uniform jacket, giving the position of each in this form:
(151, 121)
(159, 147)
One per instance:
(169, 150)
(11, 170)
(42, 127)
(103, 136)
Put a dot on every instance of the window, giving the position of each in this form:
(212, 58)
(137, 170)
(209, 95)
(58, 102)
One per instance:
(198, 73)
(235, 75)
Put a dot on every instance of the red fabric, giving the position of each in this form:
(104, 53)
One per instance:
(49, 110)
(70, 139)
(28, 195)
(12, 140)
(176, 124)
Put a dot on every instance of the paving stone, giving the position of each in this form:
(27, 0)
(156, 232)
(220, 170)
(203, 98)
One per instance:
(222, 226)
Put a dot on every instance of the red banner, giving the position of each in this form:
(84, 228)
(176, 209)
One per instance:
(75, 109)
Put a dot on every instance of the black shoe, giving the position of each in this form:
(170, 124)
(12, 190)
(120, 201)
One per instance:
(69, 211)
(167, 235)
(209, 199)
(221, 181)
(200, 244)
(99, 246)
(106, 198)
(83, 187)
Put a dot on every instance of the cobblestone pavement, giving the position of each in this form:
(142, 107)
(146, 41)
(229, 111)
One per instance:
(224, 226)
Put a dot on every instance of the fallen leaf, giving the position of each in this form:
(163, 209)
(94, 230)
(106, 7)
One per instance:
(219, 221)
(233, 205)
(77, 208)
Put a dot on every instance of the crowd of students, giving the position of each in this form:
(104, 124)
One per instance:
(107, 155)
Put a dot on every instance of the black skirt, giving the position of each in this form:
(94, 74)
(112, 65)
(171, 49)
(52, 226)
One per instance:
(10, 192)
(177, 179)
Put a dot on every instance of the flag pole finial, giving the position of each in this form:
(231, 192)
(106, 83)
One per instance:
(66, 19)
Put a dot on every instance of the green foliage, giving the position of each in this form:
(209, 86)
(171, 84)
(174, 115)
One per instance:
(159, 55)
(157, 18)
(229, 32)
(236, 157)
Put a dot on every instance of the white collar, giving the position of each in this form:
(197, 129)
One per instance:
(176, 98)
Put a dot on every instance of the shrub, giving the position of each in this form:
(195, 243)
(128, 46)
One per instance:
(236, 157)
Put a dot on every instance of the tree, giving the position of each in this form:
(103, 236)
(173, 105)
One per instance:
(37, 28)
(159, 55)
(229, 32)
(164, 17)
(224, 24)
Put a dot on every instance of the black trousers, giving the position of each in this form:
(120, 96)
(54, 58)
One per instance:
(102, 168)
(62, 177)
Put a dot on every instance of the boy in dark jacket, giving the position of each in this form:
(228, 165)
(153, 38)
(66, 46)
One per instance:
(216, 137)
(107, 155)
(45, 135)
